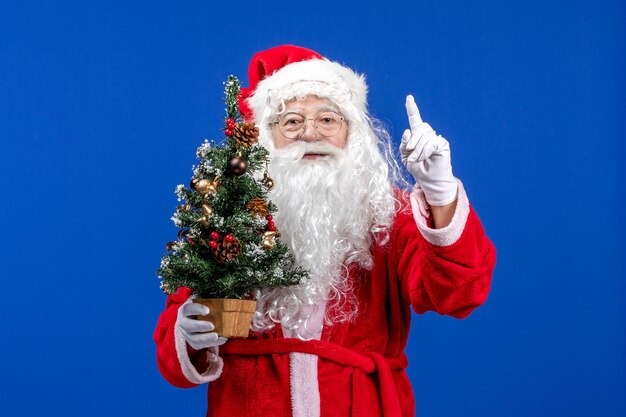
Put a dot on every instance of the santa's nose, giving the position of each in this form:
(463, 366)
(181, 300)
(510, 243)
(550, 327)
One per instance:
(309, 132)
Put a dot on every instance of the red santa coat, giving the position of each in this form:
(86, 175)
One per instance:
(360, 365)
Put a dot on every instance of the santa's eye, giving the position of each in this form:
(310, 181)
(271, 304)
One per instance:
(291, 121)
(328, 118)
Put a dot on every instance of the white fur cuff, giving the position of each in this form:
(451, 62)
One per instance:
(214, 362)
(451, 233)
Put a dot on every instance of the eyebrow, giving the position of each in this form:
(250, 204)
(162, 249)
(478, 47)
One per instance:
(323, 107)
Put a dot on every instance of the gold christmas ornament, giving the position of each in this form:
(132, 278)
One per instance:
(268, 182)
(201, 186)
(207, 210)
(212, 187)
(246, 134)
(257, 206)
(269, 240)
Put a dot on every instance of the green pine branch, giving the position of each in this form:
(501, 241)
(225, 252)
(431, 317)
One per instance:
(191, 261)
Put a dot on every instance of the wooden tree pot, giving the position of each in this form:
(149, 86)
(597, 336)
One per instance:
(231, 318)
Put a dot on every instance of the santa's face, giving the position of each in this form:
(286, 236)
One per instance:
(312, 119)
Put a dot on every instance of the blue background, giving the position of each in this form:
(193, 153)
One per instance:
(102, 105)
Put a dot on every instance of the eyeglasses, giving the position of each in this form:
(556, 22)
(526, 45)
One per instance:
(292, 125)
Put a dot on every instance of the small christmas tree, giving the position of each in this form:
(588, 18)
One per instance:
(227, 244)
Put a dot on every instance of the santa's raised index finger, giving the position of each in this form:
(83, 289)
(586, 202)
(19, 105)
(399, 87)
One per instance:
(412, 112)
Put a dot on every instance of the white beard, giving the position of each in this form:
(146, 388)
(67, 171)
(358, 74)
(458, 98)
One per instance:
(319, 207)
(325, 218)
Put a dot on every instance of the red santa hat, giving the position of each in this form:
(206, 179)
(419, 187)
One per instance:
(287, 71)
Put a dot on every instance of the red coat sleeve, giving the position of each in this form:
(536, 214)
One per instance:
(167, 357)
(453, 279)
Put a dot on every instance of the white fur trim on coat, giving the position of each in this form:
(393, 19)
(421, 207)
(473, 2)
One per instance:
(215, 363)
(319, 77)
(305, 390)
(447, 235)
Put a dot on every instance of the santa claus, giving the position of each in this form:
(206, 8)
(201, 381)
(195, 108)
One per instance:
(334, 345)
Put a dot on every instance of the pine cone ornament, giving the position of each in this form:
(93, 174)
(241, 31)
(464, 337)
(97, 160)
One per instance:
(257, 206)
(246, 134)
(227, 250)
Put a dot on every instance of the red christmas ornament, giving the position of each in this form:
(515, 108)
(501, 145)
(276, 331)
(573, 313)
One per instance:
(228, 132)
(190, 240)
(271, 227)
(213, 244)
(269, 218)
(230, 122)
(229, 238)
(214, 235)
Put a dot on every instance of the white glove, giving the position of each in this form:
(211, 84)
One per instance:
(198, 333)
(426, 156)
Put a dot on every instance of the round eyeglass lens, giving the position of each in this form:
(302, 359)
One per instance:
(327, 123)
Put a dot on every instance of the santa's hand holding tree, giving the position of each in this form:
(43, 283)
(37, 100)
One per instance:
(227, 248)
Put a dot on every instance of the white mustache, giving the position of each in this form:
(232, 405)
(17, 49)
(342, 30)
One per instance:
(296, 151)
